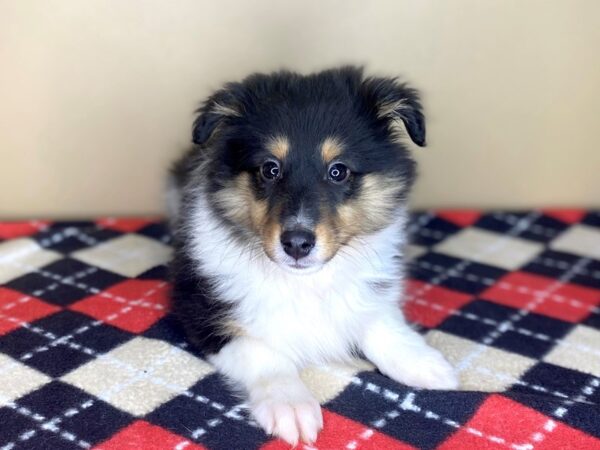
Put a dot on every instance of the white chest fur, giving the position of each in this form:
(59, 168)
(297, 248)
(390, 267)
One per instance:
(310, 318)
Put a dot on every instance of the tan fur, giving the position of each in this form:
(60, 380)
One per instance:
(371, 210)
(279, 146)
(326, 237)
(395, 111)
(231, 328)
(240, 205)
(330, 149)
(270, 236)
(258, 213)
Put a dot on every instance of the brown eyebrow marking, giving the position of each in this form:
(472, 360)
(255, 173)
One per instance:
(331, 148)
(279, 146)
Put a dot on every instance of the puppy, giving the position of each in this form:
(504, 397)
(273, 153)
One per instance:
(289, 219)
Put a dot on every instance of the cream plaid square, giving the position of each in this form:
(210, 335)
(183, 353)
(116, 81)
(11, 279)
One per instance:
(489, 248)
(21, 256)
(580, 240)
(17, 380)
(413, 251)
(578, 350)
(327, 382)
(128, 255)
(488, 369)
(140, 375)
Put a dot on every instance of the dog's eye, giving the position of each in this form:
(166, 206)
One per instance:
(338, 172)
(270, 170)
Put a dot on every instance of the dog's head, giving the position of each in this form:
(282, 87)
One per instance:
(304, 164)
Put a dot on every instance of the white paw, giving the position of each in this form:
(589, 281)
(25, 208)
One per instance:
(286, 409)
(422, 367)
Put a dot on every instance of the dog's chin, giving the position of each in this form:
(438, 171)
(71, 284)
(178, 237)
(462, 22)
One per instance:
(297, 268)
(302, 267)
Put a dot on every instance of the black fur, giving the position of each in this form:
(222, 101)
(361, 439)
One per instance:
(230, 134)
(196, 305)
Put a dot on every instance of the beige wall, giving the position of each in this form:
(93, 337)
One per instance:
(96, 97)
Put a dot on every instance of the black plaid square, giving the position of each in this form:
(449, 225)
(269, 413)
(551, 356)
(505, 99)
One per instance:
(157, 231)
(418, 220)
(543, 229)
(403, 412)
(531, 335)
(593, 320)
(564, 383)
(59, 416)
(72, 236)
(437, 230)
(65, 281)
(204, 412)
(170, 330)
(155, 273)
(553, 264)
(573, 393)
(18, 428)
(592, 218)
(59, 343)
(454, 273)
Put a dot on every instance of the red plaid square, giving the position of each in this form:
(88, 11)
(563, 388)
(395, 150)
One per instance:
(341, 432)
(124, 224)
(565, 302)
(460, 217)
(133, 305)
(17, 308)
(12, 230)
(498, 423)
(564, 437)
(565, 215)
(501, 423)
(143, 435)
(429, 305)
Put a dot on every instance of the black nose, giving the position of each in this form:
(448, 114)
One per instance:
(297, 243)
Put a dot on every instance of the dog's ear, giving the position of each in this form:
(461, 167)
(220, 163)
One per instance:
(391, 100)
(218, 108)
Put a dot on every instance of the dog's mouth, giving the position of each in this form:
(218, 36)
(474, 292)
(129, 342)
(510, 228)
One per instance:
(308, 264)
(304, 266)
(301, 267)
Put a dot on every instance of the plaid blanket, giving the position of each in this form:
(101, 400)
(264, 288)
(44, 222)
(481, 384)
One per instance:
(90, 358)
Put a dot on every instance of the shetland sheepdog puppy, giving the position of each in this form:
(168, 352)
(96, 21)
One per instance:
(289, 217)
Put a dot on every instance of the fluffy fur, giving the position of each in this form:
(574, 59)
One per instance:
(258, 310)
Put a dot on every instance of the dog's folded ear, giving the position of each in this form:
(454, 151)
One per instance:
(392, 100)
(218, 108)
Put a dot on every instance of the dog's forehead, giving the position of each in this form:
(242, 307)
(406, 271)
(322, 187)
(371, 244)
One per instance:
(325, 147)
(320, 129)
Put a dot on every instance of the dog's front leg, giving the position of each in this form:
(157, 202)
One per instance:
(278, 399)
(402, 354)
